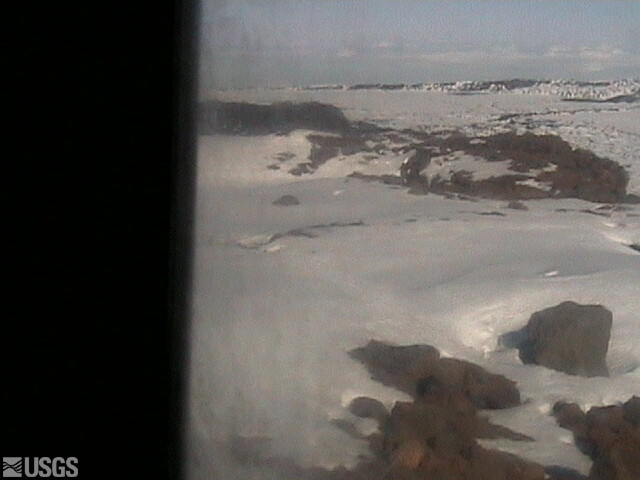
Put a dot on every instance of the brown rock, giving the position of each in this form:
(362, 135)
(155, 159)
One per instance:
(414, 368)
(432, 424)
(495, 465)
(366, 407)
(570, 338)
(632, 410)
(608, 435)
(409, 453)
(607, 425)
(575, 173)
(286, 201)
(621, 461)
(569, 415)
(254, 119)
(397, 366)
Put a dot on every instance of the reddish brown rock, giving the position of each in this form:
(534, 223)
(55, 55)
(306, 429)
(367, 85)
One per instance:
(414, 368)
(620, 461)
(495, 465)
(255, 119)
(366, 407)
(632, 410)
(397, 366)
(560, 170)
(608, 435)
(570, 338)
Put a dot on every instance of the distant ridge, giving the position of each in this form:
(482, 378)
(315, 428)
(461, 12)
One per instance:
(617, 91)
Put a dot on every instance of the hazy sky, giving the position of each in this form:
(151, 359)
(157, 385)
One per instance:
(300, 42)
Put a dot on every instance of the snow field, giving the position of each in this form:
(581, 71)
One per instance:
(275, 314)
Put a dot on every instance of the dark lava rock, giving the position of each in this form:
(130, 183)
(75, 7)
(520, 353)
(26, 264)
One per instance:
(386, 179)
(557, 472)
(560, 170)
(366, 407)
(326, 147)
(254, 119)
(621, 461)
(411, 168)
(397, 366)
(419, 371)
(570, 338)
(433, 437)
(431, 441)
(286, 201)
(632, 199)
(516, 205)
(631, 411)
(569, 415)
(608, 435)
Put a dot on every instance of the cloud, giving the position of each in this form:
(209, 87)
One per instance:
(594, 59)
(563, 59)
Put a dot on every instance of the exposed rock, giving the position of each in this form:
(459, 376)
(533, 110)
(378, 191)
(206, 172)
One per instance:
(556, 472)
(326, 147)
(621, 461)
(435, 442)
(284, 156)
(493, 464)
(418, 370)
(435, 436)
(631, 411)
(286, 201)
(570, 338)
(516, 205)
(569, 415)
(397, 366)
(386, 179)
(411, 168)
(632, 199)
(366, 407)
(254, 119)
(610, 435)
(540, 166)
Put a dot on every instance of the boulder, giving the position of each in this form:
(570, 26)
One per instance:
(570, 338)
(418, 370)
(516, 205)
(286, 201)
(397, 366)
(608, 435)
(557, 472)
(631, 411)
(366, 407)
(493, 464)
(621, 461)
(570, 416)
(255, 119)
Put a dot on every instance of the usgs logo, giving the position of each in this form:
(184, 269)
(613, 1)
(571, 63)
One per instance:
(39, 467)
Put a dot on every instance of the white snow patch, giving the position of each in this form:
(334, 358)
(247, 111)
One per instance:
(532, 182)
(478, 167)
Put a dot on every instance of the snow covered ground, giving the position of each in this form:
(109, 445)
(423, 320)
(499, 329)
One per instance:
(281, 293)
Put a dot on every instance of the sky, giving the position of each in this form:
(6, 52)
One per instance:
(271, 43)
